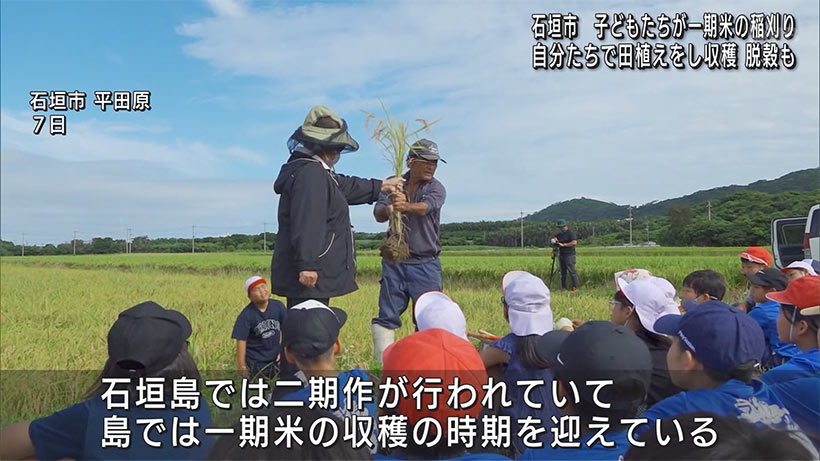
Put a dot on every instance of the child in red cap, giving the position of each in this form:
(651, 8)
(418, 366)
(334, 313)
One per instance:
(257, 331)
(797, 381)
(437, 354)
(753, 260)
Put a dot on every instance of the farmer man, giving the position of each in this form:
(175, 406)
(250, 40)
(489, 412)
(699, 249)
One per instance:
(566, 241)
(420, 204)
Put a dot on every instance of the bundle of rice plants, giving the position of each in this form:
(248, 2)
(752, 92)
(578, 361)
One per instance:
(395, 138)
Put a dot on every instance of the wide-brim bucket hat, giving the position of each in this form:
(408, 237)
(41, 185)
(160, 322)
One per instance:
(331, 133)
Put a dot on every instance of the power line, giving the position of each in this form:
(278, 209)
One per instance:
(630, 225)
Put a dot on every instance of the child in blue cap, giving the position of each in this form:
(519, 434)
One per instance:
(715, 352)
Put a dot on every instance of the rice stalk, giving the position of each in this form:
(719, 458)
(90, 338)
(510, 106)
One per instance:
(395, 138)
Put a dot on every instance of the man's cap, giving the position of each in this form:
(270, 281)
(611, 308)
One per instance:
(434, 309)
(561, 223)
(802, 293)
(426, 150)
(805, 265)
(600, 350)
(649, 300)
(720, 336)
(630, 275)
(528, 303)
(324, 128)
(769, 277)
(147, 337)
(757, 255)
(310, 328)
(435, 353)
(252, 282)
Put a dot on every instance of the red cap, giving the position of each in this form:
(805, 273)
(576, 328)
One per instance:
(253, 282)
(435, 353)
(757, 255)
(801, 293)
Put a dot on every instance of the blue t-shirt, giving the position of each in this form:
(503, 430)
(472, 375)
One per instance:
(584, 452)
(514, 371)
(753, 403)
(801, 396)
(77, 432)
(340, 410)
(804, 365)
(765, 314)
(262, 331)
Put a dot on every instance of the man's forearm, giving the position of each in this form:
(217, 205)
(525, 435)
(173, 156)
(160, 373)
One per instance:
(416, 208)
(380, 213)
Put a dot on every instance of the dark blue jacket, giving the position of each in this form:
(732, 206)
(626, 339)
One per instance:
(314, 227)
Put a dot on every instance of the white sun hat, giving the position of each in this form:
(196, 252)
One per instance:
(528, 303)
(434, 309)
(650, 301)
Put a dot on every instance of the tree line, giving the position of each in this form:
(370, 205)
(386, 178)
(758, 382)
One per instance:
(739, 219)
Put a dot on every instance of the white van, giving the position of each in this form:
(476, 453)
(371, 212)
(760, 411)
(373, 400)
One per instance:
(794, 239)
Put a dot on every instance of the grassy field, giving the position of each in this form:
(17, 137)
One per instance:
(56, 311)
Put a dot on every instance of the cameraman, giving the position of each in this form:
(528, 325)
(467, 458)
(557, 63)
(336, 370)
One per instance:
(566, 241)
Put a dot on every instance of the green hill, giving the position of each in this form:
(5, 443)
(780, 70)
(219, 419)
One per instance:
(586, 209)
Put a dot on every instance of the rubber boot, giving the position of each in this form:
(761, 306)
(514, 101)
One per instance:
(382, 337)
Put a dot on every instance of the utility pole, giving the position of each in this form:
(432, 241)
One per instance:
(709, 208)
(630, 225)
(265, 236)
(647, 232)
(74, 244)
(23, 246)
(522, 228)
(193, 235)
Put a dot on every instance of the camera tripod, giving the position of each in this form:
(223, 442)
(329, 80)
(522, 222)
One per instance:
(552, 269)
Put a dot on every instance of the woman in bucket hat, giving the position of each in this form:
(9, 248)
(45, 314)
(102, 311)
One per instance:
(314, 256)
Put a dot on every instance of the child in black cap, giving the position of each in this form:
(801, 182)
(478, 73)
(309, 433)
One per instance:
(311, 340)
(146, 341)
(597, 350)
(765, 313)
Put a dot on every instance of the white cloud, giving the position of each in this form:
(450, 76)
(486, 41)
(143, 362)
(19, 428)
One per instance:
(228, 8)
(48, 199)
(99, 141)
(514, 135)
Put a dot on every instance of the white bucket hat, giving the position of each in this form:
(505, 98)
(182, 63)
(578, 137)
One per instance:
(435, 309)
(528, 303)
(650, 300)
(804, 264)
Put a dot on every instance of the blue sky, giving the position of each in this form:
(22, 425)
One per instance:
(230, 81)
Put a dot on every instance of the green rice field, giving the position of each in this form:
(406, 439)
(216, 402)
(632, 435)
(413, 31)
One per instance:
(56, 310)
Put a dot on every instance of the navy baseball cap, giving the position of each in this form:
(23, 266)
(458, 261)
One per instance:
(147, 337)
(770, 278)
(600, 350)
(310, 328)
(720, 336)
